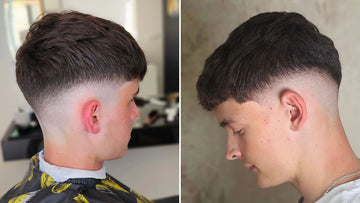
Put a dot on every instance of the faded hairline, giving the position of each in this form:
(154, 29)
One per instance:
(99, 89)
(312, 81)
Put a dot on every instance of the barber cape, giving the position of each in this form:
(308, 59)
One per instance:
(40, 187)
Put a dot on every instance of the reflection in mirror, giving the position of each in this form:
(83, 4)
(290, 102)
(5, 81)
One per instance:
(19, 15)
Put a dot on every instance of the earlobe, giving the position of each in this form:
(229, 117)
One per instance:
(90, 116)
(296, 107)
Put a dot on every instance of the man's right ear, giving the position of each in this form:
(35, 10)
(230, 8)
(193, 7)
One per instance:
(296, 108)
(90, 116)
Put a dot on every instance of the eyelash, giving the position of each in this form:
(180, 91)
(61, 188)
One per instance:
(239, 132)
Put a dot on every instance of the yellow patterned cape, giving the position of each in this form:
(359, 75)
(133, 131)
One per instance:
(40, 187)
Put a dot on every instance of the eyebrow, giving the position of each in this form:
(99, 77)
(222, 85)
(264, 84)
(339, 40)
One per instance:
(225, 122)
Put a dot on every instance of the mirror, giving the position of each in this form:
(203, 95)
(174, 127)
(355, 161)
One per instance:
(19, 15)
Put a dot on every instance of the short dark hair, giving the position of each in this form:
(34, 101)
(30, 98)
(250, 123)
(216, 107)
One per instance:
(65, 49)
(263, 49)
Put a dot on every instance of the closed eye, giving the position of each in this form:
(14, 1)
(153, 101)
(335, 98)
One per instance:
(239, 132)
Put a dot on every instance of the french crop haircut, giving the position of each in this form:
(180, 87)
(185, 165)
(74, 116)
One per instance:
(267, 47)
(63, 50)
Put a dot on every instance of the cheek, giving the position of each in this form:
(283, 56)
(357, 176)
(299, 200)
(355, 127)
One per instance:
(273, 126)
(276, 146)
(118, 122)
(262, 139)
(122, 113)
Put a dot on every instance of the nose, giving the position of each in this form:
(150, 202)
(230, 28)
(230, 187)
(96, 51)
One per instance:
(232, 149)
(233, 154)
(134, 111)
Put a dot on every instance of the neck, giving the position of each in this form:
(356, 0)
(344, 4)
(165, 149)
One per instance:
(70, 155)
(329, 157)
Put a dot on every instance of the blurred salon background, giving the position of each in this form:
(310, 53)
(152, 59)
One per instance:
(151, 165)
(206, 176)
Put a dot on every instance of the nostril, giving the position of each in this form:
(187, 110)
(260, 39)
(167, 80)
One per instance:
(234, 154)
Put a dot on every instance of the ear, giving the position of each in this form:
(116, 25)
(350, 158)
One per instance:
(296, 108)
(90, 116)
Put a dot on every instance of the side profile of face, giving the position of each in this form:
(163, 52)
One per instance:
(117, 120)
(259, 136)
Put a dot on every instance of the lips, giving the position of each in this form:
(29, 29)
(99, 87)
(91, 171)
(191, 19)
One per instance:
(249, 166)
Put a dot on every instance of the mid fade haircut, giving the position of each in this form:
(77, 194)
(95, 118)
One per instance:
(66, 49)
(267, 47)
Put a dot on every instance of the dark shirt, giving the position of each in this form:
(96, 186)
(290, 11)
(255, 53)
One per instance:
(41, 187)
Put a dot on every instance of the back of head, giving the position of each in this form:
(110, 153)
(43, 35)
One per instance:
(264, 49)
(63, 50)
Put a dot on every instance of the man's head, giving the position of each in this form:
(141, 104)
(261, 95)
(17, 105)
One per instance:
(80, 74)
(271, 84)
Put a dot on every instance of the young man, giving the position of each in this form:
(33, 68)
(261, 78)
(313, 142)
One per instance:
(273, 86)
(80, 74)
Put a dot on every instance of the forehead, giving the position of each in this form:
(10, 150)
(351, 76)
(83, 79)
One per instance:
(131, 87)
(231, 110)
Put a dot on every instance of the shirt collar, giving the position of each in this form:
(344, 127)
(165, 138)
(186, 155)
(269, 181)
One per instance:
(61, 174)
